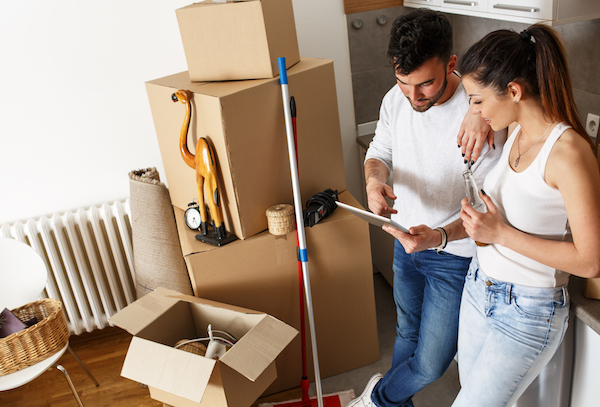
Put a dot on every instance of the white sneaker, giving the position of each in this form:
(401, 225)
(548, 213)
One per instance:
(364, 400)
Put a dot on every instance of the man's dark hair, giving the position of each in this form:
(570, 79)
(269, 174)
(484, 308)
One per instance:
(417, 37)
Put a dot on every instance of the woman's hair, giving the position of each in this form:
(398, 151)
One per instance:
(418, 36)
(536, 59)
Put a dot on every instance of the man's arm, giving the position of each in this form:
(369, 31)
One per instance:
(376, 176)
(423, 237)
(455, 230)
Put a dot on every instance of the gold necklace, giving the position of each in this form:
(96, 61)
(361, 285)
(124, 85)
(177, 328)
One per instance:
(519, 145)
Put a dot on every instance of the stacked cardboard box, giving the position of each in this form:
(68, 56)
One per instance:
(239, 108)
(237, 40)
(245, 123)
(261, 273)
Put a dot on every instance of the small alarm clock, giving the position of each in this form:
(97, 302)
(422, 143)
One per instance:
(192, 217)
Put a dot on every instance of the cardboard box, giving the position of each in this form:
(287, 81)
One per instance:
(238, 39)
(261, 273)
(244, 121)
(162, 318)
(592, 288)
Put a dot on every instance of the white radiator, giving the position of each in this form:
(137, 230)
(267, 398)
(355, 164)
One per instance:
(89, 257)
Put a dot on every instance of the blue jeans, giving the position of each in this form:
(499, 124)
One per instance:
(508, 333)
(427, 291)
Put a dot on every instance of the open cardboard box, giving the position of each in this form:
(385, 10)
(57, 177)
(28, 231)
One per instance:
(261, 273)
(237, 40)
(163, 317)
(244, 120)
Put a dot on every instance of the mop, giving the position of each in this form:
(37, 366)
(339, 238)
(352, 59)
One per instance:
(333, 400)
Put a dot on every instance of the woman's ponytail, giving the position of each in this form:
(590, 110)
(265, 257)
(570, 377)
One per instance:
(553, 79)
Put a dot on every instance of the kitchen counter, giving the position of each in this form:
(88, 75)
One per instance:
(586, 309)
(364, 141)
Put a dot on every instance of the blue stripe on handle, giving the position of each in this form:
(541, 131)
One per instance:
(303, 255)
(282, 71)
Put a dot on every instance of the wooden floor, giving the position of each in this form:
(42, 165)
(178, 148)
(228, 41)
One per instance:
(103, 353)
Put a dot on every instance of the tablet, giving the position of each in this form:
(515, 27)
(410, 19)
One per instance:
(371, 217)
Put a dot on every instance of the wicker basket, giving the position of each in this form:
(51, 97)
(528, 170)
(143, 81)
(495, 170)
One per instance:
(36, 343)
(192, 347)
(280, 219)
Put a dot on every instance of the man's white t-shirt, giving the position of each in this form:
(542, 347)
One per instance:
(420, 150)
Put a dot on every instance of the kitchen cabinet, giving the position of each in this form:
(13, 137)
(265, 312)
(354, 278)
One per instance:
(358, 6)
(586, 362)
(553, 12)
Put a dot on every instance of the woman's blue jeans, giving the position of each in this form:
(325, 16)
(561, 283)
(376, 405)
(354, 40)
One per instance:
(508, 333)
(427, 291)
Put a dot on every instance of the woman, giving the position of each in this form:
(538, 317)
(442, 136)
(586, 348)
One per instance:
(543, 219)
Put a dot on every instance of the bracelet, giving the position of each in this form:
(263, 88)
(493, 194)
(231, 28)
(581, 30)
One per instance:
(444, 240)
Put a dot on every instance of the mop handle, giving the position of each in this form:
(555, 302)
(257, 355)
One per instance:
(292, 155)
(299, 220)
(304, 384)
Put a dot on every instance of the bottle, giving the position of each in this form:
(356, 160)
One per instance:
(473, 196)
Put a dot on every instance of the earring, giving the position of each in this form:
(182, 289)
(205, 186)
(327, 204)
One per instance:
(516, 101)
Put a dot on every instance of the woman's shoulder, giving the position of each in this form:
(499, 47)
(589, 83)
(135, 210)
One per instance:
(571, 154)
(572, 144)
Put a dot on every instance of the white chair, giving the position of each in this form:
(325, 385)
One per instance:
(23, 276)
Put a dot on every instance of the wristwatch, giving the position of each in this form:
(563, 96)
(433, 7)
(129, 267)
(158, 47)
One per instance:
(444, 240)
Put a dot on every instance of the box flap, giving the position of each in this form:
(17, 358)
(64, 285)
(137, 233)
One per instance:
(196, 300)
(178, 81)
(252, 354)
(175, 371)
(139, 314)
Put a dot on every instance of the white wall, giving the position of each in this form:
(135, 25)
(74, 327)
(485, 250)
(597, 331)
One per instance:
(74, 116)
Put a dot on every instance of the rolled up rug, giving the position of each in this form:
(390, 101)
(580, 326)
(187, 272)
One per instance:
(157, 257)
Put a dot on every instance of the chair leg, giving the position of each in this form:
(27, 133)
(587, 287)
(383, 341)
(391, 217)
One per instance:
(72, 352)
(73, 390)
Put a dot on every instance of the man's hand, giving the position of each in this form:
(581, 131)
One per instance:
(376, 175)
(472, 135)
(418, 239)
(377, 191)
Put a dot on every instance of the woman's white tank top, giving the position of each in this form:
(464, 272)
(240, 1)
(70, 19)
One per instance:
(529, 204)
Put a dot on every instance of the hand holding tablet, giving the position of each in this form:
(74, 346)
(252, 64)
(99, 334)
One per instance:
(371, 217)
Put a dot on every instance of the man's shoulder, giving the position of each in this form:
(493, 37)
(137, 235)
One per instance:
(459, 97)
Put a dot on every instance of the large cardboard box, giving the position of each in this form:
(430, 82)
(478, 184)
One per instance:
(244, 121)
(163, 317)
(592, 288)
(261, 273)
(237, 39)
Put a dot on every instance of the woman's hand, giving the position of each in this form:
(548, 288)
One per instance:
(482, 227)
(472, 136)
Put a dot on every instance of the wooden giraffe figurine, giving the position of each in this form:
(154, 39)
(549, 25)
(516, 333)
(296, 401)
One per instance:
(204, 162)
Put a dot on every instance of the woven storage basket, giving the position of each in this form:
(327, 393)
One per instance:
(280, 219)
(192, 347)
(36, 343)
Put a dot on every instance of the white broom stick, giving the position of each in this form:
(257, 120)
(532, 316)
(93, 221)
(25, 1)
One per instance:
(299, 221)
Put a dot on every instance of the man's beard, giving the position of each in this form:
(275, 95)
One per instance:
(432, 101)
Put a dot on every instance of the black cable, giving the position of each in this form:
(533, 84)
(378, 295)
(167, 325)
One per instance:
(320, 206)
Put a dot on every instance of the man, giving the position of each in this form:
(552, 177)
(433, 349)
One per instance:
(415, 140)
